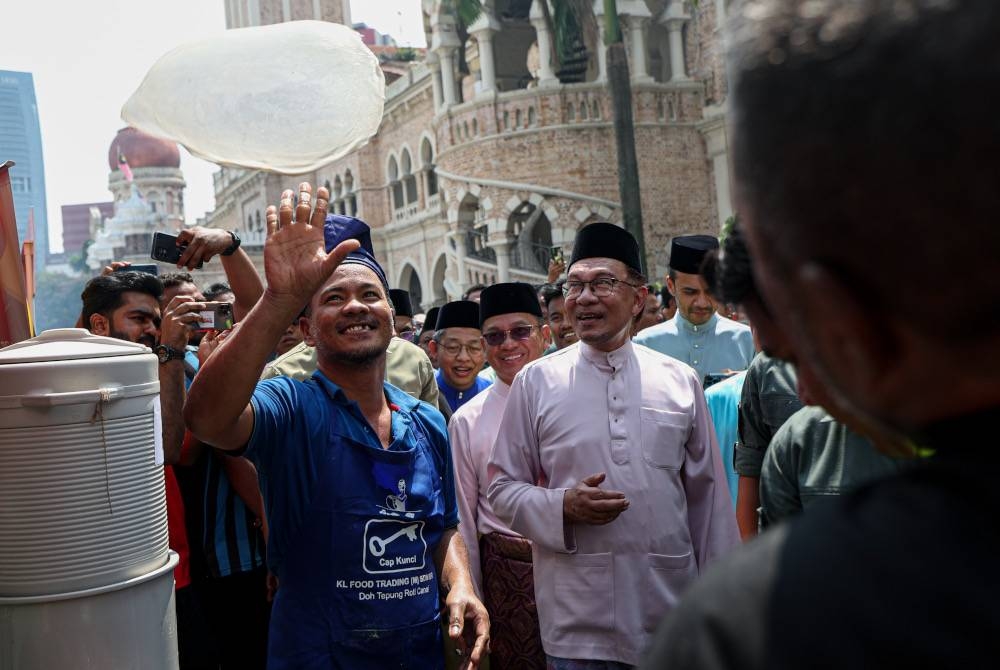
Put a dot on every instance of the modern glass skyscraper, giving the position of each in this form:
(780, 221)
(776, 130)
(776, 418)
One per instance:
(21, 142)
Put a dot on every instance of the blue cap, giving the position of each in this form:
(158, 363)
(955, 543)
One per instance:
(338, 228)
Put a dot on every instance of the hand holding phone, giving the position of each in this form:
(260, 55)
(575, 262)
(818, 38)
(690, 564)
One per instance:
(216, 316)
(165, 249)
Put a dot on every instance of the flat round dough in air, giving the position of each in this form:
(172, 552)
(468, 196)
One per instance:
(288, 97)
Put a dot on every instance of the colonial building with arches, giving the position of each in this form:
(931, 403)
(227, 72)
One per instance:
(491, 151)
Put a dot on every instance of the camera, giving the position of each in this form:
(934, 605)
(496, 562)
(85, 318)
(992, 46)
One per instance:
(215, 316)
(165, 249)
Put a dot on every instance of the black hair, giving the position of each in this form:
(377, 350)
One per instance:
(172, 279)
(103, 295)
(550, 292)
(848, 154)
(472, 289)
(217, 289)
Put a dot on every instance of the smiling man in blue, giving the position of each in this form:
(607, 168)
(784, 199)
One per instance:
(696, 335)
(356, 474)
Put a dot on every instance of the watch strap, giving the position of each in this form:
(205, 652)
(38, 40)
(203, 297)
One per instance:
(231, 249)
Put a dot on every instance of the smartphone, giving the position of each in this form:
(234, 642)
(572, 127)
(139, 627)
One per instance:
(216, 316)
(715, 377)
(555, 253)
(148, 269)
(165, 249)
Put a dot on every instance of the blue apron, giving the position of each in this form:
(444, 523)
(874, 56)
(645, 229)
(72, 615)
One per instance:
(358, 586)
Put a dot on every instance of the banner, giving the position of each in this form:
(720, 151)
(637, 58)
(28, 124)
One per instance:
(14, 321)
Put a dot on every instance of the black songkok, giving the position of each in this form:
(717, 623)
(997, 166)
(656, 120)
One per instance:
(606, 240)
(430, 319)
(401, 302)
(458, 314)
(688, 251)
(507, 298)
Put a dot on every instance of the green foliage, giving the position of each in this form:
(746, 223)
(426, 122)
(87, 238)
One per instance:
(467, 11)
(79, 261)
(57, 300)
(405, 54)
(727, 227)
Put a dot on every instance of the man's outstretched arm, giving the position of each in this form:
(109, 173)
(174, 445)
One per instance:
(296, 264)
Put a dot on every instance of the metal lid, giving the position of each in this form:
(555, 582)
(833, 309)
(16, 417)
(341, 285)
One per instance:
(63, 344)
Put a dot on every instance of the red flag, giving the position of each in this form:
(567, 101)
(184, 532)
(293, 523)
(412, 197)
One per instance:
(14, 321)
(123, 166)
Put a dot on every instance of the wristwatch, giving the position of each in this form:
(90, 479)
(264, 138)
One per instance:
(234, 246)
(166, 353)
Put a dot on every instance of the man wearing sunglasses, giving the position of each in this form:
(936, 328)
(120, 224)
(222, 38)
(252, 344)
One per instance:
(458, 348)
(514, 334)
(606, 460)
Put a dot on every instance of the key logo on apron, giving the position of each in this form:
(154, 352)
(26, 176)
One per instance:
(394, 546)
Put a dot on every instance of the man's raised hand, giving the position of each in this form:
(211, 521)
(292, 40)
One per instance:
(296, 262)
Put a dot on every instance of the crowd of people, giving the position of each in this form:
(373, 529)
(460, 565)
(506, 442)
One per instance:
(561, 476)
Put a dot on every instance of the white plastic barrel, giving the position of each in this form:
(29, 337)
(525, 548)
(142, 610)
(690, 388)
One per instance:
(83, 521)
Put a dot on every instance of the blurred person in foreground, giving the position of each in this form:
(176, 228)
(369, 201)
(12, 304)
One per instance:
(357, 474)
(514, 335)
(607, 462)
(845, 182)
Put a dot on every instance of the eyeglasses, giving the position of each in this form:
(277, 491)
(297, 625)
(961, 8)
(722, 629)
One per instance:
(495, 338)
(455, 349)
(602, 287)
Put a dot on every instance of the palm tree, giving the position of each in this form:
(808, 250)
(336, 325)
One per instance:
(569, 20)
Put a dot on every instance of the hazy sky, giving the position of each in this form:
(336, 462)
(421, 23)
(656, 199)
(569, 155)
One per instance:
(88, 57)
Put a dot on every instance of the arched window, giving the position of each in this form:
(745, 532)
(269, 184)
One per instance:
(350, 200)
(409, 181)
(249, 221)
(427, 160)
(258, 220)
(395, 185)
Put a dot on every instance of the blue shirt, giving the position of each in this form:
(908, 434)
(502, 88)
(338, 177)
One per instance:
(290, 436)
(717, 345)
(723, 404)
(455, 397)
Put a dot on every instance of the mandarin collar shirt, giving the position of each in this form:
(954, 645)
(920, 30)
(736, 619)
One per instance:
(717, 345)
(641, 418)
(473, 429)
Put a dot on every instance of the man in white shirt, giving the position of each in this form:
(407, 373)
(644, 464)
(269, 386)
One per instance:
(610, 560)
(514, 334)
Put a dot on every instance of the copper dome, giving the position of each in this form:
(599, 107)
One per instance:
(142, 150)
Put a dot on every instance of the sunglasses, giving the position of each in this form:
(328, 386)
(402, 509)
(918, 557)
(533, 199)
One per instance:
(495, 338)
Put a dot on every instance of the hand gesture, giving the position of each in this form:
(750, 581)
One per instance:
(178, 316)
(586, 503)
(556, 267)
(462, 605)
(295, 259)
(210, 342)
(202, 244)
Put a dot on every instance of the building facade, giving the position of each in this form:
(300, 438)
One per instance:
(152, 201)
(490, 152)
(21, 142)
(77, 223)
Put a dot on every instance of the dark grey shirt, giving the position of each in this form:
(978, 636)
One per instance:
(814, 456)
(769, 398)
